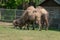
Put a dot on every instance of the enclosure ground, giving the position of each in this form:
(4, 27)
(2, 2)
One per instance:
(5, 23)
(9, 33)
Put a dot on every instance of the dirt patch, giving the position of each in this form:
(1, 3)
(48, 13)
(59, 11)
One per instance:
(5, 23)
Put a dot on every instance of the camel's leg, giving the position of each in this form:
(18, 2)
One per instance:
(33, 25)
(24, 27)
(20, 27)
(27, 25)
(38, 21)
(15, 26)
(46, 22)
(47, 25)
(40, 27)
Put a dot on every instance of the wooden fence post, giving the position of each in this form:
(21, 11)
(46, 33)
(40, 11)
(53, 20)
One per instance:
(0, 15)
(15, 14)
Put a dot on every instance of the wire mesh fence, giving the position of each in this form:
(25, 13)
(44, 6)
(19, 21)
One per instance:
(54, 13)
(10, 14)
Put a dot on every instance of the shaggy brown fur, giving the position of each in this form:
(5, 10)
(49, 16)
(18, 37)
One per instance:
(32, 16)
(18, 22)
(23, 20)
(35, 17)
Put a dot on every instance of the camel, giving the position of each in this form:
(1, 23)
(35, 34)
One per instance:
(32, 16)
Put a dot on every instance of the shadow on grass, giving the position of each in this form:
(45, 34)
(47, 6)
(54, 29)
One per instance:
(17, 28)
(54, 28)
(36, 28)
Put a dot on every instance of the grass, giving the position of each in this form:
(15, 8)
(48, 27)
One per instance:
(9, 33)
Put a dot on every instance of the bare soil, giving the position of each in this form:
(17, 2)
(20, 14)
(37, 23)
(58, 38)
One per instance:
(5, 23)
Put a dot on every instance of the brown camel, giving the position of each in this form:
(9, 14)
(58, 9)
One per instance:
(33, 16)
(30, 16)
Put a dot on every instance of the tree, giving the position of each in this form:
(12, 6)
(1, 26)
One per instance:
(11, 4)
(14, 3)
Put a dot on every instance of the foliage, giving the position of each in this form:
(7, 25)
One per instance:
(11, 4)
(14, 3)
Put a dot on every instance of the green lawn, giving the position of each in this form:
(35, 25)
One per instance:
(8, 33)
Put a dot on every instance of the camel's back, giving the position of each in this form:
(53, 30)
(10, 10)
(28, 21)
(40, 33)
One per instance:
(42, 10)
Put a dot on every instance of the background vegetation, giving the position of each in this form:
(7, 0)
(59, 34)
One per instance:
(13, 4)
(9, 5)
